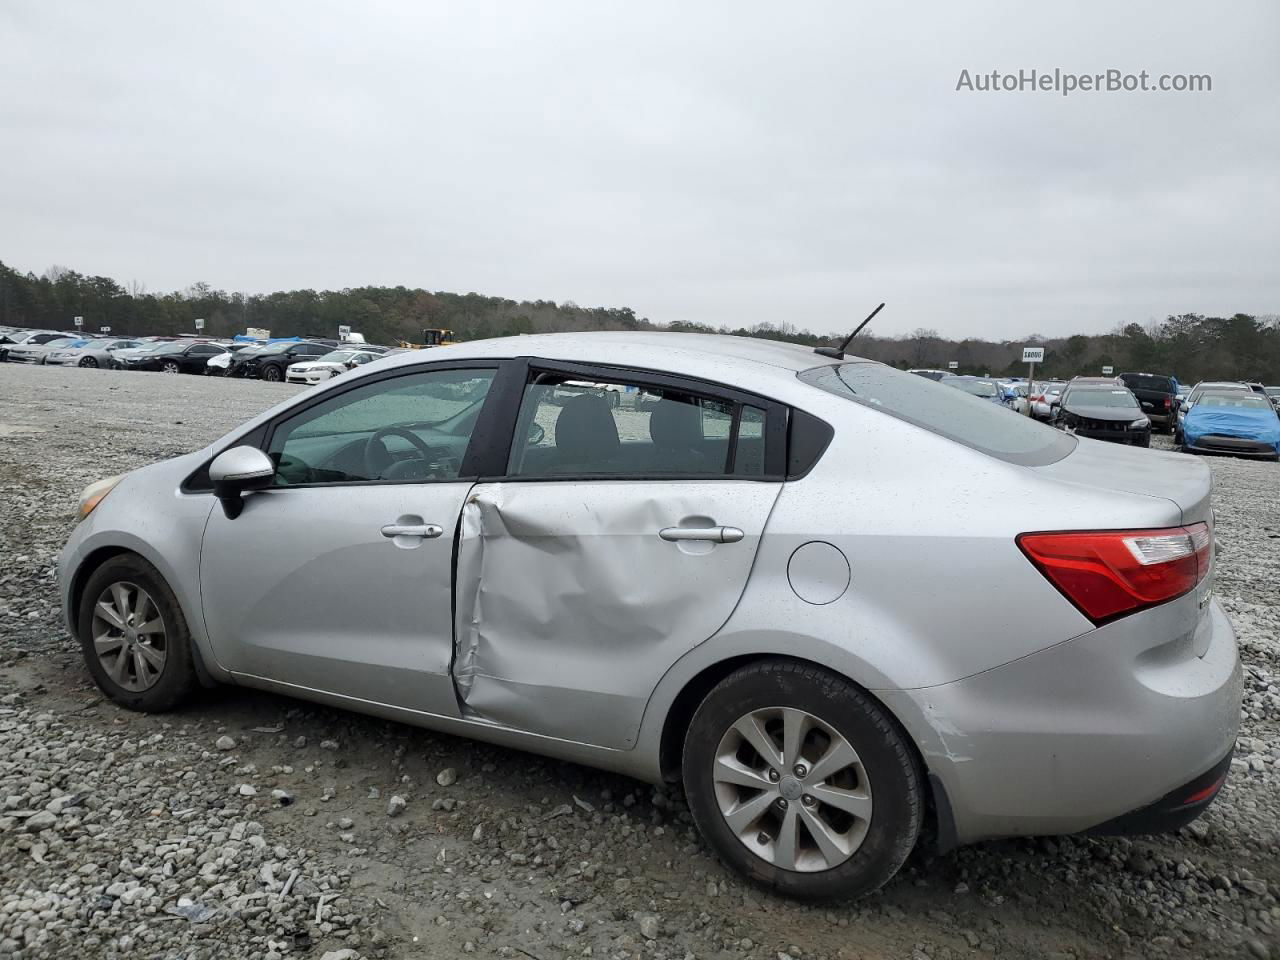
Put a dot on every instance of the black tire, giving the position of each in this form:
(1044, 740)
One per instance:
(271, 373)
(170, 366)
(88, 362)
(178, 678)
(892, 768)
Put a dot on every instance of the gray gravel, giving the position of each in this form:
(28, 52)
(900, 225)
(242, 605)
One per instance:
(251, 825)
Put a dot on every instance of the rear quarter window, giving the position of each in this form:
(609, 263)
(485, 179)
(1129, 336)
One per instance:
(976, 423)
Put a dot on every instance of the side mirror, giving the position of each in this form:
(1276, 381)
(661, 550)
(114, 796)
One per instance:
(536, 434)
(236, 471)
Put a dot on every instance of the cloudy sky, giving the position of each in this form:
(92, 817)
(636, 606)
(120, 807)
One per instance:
(726, 162)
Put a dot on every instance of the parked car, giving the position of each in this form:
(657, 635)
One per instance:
(599, 585)
(90, 353)
(1102, 409)
(12, 335)
(1157, 395)
(330, 365)
(218, 366)
(1235, 422)
(1273, 394)
(1017, 396)
(174, 356)
(1196, 392)
(270, 362)
(35, 348)
(1042, 395)
(981, 387)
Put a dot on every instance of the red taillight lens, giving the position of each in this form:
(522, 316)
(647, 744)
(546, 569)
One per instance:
(1168, 402)
(1111, 573)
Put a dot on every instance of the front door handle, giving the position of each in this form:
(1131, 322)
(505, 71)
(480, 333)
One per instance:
(427, 531)
(712, 534)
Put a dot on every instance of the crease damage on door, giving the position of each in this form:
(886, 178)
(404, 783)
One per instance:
(565, 606)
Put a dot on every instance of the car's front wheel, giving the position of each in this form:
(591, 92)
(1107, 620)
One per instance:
(802, 782)
(271, 373)
(170, 366)
(88, 362)
(134, 636)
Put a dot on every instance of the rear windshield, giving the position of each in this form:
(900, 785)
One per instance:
(978, 424)
(1147, 381)
(1101, 397)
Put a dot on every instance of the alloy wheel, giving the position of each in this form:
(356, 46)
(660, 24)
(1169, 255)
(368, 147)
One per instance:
(792, 789)
(88, 362)
(170, 367)
(129, 636)
(271, 373)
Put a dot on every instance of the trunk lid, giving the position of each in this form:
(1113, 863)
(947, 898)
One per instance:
(1184, 480)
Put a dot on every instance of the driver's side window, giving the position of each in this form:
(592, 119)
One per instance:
(406, 429)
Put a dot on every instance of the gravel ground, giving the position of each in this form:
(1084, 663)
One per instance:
(251, 825)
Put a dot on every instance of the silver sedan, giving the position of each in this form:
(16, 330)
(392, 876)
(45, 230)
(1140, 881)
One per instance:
(848, 608)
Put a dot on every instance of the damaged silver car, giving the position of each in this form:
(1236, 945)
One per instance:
(848, 608)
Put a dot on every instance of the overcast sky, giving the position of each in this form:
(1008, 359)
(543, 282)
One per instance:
(725, 163)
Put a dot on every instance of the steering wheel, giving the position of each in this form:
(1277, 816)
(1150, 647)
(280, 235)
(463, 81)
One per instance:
(377, 460)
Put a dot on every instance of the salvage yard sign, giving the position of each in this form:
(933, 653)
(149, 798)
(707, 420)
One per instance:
(1033, 354)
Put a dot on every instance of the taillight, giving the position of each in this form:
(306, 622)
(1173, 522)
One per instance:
(1167, 403)
(1112, 573)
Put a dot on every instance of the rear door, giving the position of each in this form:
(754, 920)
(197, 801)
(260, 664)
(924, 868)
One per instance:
(621, 535)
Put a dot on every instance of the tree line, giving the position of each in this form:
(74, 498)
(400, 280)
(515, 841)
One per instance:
(1190, 346)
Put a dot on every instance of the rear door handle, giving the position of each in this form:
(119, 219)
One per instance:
(428, 531)
(713, 534)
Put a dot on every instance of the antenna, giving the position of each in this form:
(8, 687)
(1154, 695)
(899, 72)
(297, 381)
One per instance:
(837, 353)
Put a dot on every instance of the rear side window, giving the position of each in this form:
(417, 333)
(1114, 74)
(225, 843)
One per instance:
(1147, 381)
(978, 424)
(575, 428)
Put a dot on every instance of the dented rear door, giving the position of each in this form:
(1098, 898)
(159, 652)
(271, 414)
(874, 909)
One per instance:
(574, 597)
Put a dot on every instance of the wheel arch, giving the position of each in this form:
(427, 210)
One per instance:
(94, 560)
(940, 831)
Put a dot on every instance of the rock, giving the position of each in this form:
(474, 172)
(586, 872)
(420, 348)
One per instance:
(283, 797)
(344, 954)
(41, 821)
(649, 927)
(447, 777)
(248, 790)
(1259, 950)
(225, 743)
(396, 805)
(1257, 887)
(328, 744)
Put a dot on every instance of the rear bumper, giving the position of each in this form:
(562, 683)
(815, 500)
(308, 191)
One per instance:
(1174, 810)
(1102, 732)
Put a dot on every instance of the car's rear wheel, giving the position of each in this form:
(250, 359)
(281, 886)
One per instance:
(134, 636)
(802, 782)
(170, 366)
(271, 373)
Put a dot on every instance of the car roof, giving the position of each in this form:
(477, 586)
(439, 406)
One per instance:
(1098, 381)
(720, 357)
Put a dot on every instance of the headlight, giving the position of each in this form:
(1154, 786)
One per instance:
(92, 495)
(1141, 422)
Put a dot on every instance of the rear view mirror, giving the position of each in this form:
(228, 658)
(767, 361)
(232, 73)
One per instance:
(236, 471)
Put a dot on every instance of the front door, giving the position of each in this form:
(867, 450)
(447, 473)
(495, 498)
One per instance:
(622, 537)
(339, 578)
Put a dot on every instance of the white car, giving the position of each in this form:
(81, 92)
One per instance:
(33, 350)
(1042, 398)
(1016, 392)
(328, 366)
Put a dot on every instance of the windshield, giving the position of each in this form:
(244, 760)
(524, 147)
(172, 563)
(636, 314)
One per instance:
(1273, 391)
(1235, 401)
(976, 423)
(976, 388)
(1101, 397)
(60, 342)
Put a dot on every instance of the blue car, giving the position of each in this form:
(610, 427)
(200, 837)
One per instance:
(1233, 422)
